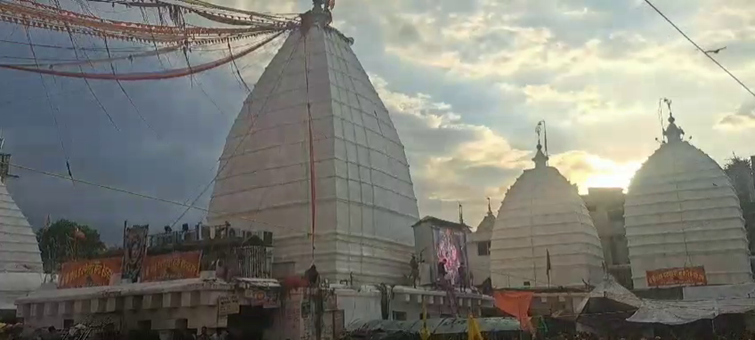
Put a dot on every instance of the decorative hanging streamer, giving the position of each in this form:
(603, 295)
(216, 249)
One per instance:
(146, 76)
(250, 18)
(105, 60)
(48, 17)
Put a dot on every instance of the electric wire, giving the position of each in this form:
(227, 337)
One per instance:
(54, 111)
(699, 48)
(86, 81)
(238, 146)
(131, 101)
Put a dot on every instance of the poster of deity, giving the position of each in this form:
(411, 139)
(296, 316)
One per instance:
(450, 246)
(134, 252)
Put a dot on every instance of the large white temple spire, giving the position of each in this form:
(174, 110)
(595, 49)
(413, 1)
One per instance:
(320, 146)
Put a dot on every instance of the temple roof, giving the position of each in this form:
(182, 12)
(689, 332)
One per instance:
(681, 210)
(488, 222)
(20, 260)
(543, 216)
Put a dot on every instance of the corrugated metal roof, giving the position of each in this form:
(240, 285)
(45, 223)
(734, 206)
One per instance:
(436, 326)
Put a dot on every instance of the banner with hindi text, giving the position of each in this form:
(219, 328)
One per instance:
(173, 266)
(88, 273)
(687, 276)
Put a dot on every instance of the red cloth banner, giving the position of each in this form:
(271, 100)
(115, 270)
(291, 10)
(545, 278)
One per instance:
(173, 266)
(88, 273)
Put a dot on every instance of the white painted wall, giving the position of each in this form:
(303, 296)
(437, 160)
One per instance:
(479, 264)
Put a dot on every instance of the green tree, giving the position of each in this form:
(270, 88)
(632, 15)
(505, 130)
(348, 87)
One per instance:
(740, 172)
(66, 240)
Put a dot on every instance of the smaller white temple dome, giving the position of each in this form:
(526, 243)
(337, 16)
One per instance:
(681, 210)
(543, 223)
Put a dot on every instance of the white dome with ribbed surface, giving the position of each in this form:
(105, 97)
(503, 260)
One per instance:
(682, 211)
(364, 203)
(20, 260)
(543, 214)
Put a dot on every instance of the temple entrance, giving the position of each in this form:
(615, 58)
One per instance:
(250, 323)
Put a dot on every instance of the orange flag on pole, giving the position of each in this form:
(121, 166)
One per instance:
(517, 304)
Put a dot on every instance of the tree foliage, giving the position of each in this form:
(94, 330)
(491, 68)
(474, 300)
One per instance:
(736, 162)
(59, 243)
(740, 173)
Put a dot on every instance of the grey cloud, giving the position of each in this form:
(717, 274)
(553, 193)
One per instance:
(173, 163)
(745, 114)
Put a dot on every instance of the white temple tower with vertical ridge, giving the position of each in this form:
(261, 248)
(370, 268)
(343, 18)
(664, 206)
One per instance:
(682, 211)
(543, 219)
(20, 259)
(364, 199)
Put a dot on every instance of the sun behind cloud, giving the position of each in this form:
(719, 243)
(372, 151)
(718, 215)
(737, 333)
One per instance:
(592, 171)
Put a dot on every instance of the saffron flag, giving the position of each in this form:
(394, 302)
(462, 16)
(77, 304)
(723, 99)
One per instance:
(517, 304)
(473, 329)
(424, 333)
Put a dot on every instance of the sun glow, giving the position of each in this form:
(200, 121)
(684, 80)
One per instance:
(591, 171)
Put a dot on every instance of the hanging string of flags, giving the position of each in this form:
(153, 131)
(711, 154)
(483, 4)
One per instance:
(166, 74)
(169, 36)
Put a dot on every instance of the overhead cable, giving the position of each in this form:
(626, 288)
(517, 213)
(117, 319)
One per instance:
(699, 48)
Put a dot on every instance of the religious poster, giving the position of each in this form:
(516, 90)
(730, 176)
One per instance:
(688, 276)
(173, 266)
(451, 249)
(88, 273)
(134, 252)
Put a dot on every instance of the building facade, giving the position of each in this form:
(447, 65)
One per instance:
(185, 282)
(606, 207)
(478, 249)
(441, 243)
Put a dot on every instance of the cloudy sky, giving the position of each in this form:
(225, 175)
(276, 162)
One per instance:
(466, 83)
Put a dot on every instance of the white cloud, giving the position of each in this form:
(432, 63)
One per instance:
(476, 162)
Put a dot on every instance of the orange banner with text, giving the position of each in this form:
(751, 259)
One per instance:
(173, 266)
(688, 276)
(89, 273)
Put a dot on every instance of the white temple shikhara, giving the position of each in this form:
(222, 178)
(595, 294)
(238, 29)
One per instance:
(315, 114)
(682, 211)
(20, 259)
(543, 219)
